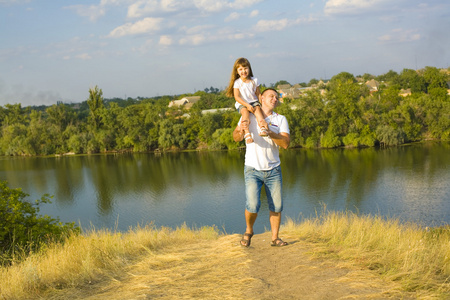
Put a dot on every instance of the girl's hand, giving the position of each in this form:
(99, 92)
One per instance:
(251, 109)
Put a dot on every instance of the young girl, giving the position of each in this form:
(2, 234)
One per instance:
(245, 90)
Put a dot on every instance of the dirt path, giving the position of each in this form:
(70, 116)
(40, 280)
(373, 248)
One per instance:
(291, 273)
(222, 269)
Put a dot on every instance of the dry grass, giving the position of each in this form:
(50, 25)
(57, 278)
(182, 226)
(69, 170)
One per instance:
(142, 262)
(418, 258)
(202, 264)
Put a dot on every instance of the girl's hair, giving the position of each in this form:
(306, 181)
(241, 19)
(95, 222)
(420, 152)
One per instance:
(240, 62)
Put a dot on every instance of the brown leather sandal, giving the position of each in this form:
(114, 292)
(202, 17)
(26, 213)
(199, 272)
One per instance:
(278, 243)
(246, 242)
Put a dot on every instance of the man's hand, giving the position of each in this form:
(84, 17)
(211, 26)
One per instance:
(239, 131)
(244, 125)
(282, 139)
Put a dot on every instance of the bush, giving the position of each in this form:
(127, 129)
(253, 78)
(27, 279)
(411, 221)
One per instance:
(22, 229)
(311, 142)
(388, 136)
(351, 140)
(330, 139)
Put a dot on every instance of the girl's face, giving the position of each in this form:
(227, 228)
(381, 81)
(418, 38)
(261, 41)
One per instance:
(243, 72)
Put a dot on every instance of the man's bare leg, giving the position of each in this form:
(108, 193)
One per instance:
(275, 221)
(250, 219)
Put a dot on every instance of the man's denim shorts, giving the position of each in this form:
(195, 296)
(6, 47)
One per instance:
(254, 180)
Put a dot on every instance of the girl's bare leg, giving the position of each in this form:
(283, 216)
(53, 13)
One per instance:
(263, 126)
(246, 119)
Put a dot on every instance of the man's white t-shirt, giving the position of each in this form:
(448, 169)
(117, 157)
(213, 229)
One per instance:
(247, 90)
(263, 154)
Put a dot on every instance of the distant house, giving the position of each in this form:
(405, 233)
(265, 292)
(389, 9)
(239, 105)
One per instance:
(373, 85)
(294, 91)
(177, 103)
(210, 111)
(216, 110)
(187, 102)
(405, 93)
(284, 90)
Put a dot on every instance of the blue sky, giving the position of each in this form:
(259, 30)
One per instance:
(56, 50)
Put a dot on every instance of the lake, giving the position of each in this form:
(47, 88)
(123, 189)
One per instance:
(410, 182)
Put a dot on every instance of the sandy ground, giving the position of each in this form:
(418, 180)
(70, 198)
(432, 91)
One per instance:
(292, 272)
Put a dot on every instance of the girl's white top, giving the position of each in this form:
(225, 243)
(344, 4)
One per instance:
(247, 90)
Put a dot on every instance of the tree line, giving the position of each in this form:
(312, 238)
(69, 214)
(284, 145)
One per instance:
(342, 112)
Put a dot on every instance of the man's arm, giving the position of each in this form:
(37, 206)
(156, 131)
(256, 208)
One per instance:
(282, 139)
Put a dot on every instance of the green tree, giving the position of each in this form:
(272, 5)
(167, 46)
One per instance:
(410, 79)
(313, 81)
(166, 138)
(389, 136)
(280, 82)
(343, 108)
(13, 114)
(209, 123)
(96, 106)
(435, 78)
(390, 76)
(330, 139)
(23, 230)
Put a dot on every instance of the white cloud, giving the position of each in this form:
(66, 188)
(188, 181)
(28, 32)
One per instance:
(84, 56)
(142, 8)
(174, 5)
(195, 29)
(143, 26)
(195, 40)
(222, 5)
(400, 36)
(254, 13)
(271, 25)
(229, 34)
(333, 7)
(233, 16)
(244, 3)
(211, 5)
(277, 25)
(165, 40)
(146, 7)
(93, 12)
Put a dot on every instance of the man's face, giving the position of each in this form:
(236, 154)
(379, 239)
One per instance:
(270, 99)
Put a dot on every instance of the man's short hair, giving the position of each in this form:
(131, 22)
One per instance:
(269, 89)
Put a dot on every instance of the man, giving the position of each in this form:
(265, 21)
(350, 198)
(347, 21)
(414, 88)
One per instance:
(262, 166)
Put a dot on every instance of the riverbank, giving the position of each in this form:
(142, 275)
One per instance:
(333, 256)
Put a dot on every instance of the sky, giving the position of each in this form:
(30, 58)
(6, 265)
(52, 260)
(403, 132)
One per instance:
(57, 50)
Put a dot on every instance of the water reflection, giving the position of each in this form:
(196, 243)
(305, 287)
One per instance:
(206, 188)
